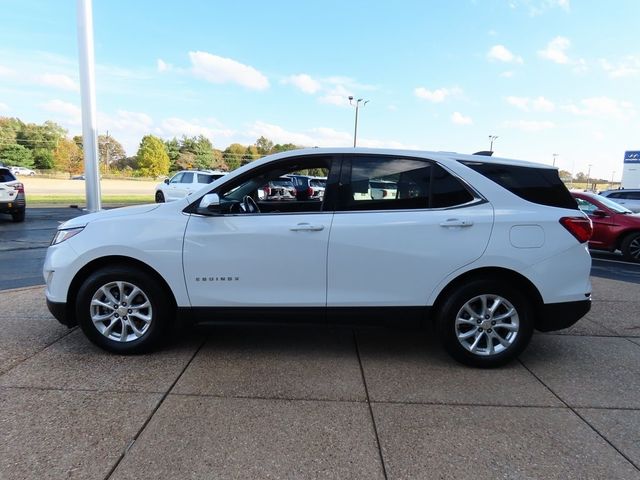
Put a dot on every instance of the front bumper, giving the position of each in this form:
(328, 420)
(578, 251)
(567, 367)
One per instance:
(62, 314)
(556, 316)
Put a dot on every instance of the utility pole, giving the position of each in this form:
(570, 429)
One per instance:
(106, 156)
(589, 176)
(492, 138)
(357, 105)
(555, 155)
(86, 62)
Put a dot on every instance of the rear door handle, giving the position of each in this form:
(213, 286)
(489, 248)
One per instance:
(307, 227)
(456, 222)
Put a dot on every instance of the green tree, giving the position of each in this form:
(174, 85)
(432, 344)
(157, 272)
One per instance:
(68, 157)
(43, 158)
(9, 128)
(173, 150)
(250, 154)
(16, 155)
(200, 150)
(264, 146)
(233, 154)
(153, 159)
(277, 148)
(110, 150)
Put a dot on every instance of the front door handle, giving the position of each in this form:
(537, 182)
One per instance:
(307, 227)
(456, 222)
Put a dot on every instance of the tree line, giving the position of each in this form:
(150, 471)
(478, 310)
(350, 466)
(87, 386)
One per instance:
(48, 147)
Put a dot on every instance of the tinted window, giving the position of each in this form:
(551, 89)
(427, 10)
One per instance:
(446, 190)
(633, 195)
(187, 177)
(204, 178)
(537, 185)
(6, 175)
(388, 183)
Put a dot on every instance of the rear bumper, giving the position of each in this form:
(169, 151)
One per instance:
(60, 311)
(14, 206)
(556, 316)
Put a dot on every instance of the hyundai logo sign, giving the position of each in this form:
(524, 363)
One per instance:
(632, 156)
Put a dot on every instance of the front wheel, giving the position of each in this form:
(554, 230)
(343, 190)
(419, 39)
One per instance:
(159, 197)
(123, 310)
(630, 247)
(485, 323)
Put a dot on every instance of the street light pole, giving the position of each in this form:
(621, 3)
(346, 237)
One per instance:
(554, 159)
(88, 96)
(491, 140)
(357, 105)
(589, 176)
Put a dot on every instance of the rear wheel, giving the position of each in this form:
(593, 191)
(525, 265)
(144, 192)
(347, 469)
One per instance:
(485, 323)
(18, 216)
(159, 197)
(123, 310)
(630, 247)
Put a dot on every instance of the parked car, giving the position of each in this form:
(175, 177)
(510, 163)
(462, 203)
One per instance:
(615, 227)
(184, 183)
(629, 198)
(307, 187)
(479, 250)
(278, 189)
(12, 199)
(22, 171)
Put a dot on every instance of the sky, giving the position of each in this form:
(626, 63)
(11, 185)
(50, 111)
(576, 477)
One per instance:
(545, 76)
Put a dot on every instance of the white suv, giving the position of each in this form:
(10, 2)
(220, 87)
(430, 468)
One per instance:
(184, 183)
(481, 250)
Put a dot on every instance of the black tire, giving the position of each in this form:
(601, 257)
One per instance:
(452, 305)
(630, 247)
(18, 216)
(160, 197)
(162, 312)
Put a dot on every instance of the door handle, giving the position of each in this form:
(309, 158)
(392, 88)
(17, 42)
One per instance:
(307, 227)
(456, 222)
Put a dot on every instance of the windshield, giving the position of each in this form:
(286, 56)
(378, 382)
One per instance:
(611, 205)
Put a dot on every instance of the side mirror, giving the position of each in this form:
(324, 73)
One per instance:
(599, 213)
(209, 204)
(166, 180)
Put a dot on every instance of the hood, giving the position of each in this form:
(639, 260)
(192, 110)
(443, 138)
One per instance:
(83, 220)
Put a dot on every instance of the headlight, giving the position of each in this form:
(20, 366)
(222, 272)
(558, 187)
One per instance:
(62, 235)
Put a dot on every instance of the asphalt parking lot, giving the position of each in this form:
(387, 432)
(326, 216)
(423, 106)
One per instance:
(297, 403)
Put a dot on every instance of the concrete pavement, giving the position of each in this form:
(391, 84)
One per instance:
(230, 402)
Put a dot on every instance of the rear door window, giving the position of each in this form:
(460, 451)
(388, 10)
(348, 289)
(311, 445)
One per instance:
(187, 177)
(390, 183)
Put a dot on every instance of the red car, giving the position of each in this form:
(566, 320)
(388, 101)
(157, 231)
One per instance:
(614, 227)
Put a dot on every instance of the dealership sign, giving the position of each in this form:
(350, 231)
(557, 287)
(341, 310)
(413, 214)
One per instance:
(632, 157)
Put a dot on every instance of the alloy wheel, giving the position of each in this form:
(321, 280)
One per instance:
(121, 311)
(487, 325)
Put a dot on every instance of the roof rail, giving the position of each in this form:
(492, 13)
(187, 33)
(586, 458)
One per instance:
(484, 153)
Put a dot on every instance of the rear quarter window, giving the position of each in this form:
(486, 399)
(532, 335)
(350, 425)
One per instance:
(537, 185)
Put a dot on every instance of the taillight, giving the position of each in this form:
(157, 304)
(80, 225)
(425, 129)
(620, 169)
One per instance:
(293, 192)
(310, 192)
(384, 193)
(579, 227)
(267, 190)
(19, 187)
